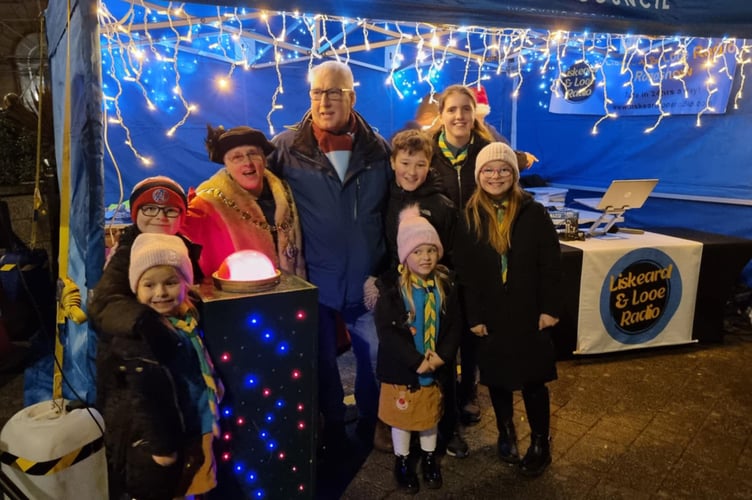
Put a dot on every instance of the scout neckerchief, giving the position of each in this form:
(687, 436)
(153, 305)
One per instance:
(458, 160)
(188, 326)
(430, 310)
(501, 208)
(425, 325)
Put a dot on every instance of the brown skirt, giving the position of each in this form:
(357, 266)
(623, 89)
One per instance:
(411, 410)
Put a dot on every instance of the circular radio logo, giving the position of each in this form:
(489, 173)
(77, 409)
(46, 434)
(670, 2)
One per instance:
(578, 82)
(640, 296)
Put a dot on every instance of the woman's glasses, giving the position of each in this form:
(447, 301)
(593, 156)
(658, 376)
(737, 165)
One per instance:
(240, 157)
(153, 210)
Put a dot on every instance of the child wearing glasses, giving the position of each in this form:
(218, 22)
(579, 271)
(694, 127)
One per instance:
(243, 206)
(507, 259)
(158, 206)
(160, 406)
(418, 324)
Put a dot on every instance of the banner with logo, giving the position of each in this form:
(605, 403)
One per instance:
(640, 79)
(636, 291)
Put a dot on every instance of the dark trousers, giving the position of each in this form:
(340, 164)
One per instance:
(450, 418)
(469, 367)
(537, 406)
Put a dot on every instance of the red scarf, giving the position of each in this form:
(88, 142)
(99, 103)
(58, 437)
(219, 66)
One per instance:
(336, 141)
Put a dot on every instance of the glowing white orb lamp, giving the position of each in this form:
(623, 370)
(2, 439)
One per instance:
(246, 271)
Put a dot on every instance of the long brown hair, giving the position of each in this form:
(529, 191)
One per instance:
(479, 128)
(480, 202)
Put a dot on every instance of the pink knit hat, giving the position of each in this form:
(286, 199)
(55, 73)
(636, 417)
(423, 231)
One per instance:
(153, 249)
(414, 231)
(496, 151)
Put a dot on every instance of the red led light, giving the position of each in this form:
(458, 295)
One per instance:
(281, 455)
(240, 421)
(266, 392)
(226, 436)
(226, 456)
(301, 425)
(300, 406)
(301, 315)
(225, 357)
(296, 374)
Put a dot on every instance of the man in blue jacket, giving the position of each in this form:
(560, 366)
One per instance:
(339, 172)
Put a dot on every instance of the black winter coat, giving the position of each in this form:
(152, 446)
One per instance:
(398, 358)
(515, 352)
(436, 207)
(457, 186)
(138, 398)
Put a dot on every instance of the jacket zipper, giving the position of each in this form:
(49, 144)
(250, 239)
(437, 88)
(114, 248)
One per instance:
(357, 198)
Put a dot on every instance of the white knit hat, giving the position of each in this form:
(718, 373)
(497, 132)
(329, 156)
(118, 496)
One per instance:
(496, 151)
(414, 231)
(153, 249)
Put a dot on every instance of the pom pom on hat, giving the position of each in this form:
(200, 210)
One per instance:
(482, 107)
(415, 230)
(154, 249)
(496, 151)
(158, 190)
(219, 141)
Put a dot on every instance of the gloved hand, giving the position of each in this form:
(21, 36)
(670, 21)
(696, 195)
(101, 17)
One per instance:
(370, 293)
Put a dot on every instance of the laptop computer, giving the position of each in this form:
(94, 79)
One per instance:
(620, 196)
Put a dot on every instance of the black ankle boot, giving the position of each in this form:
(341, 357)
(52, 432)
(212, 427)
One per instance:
(431, 471)
(506, 445)
(407, 479)
(538, 456)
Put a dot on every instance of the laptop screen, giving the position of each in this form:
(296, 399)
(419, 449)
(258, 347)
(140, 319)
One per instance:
(625, 194)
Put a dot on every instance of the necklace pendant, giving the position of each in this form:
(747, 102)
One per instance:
(291, 251)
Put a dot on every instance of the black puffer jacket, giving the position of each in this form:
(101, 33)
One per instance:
(398, 358)
(138, 398)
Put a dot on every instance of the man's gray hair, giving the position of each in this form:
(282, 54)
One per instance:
(339, 68)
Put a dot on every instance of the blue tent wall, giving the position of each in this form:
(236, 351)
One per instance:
(86, 245)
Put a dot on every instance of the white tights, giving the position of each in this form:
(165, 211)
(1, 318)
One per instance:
(401, 440)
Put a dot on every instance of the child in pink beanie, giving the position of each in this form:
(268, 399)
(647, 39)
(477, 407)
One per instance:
(417, 321)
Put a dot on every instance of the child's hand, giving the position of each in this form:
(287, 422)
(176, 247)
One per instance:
(425, 367)
(479, 330)
(164, 461)
(434, 360)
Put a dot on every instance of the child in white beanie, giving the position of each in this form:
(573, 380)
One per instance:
(417, 320)
(508, 260)
(159, 394)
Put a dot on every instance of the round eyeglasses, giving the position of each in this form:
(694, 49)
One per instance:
(153, 210)
(501, 172)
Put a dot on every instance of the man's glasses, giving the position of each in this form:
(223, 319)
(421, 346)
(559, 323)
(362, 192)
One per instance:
(153, 210)
(332, 94)
(240, 157)
(501, 171)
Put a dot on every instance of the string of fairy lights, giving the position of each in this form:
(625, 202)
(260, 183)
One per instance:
(149, 46)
